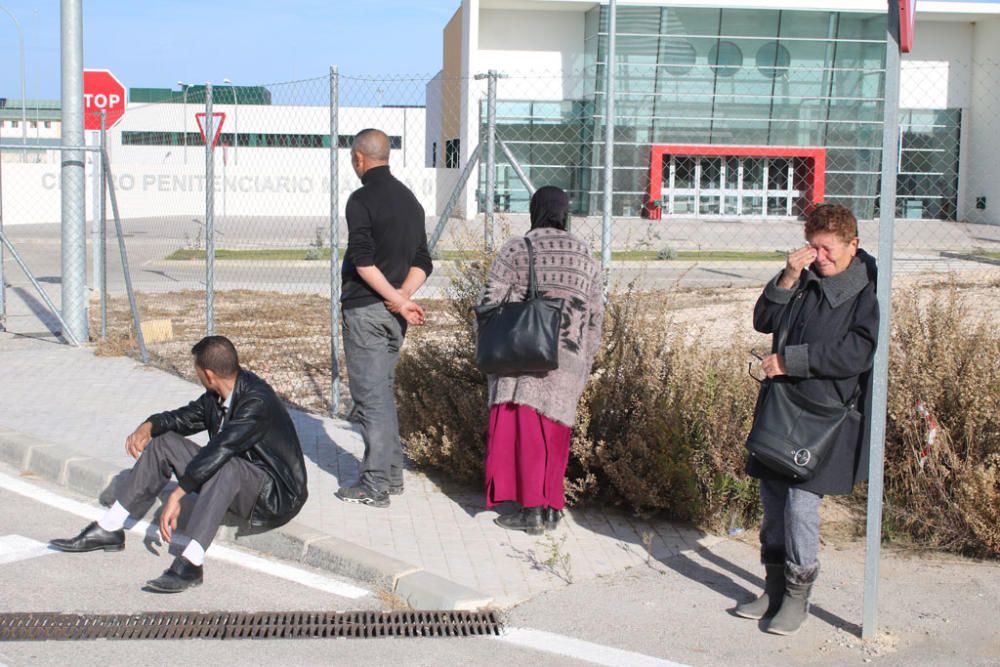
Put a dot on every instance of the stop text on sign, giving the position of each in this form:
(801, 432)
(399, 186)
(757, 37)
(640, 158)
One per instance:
(102, 93)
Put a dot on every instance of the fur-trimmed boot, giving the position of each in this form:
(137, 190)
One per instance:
(795, 603)
(768, 603)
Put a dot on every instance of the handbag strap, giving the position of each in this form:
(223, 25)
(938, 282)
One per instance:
(786, 321)
(532, 278)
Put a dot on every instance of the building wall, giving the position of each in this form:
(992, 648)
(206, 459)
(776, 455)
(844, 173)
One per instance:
(451, 86)
(541, 52)
(984, 137)
(157, 181)
(937, 74)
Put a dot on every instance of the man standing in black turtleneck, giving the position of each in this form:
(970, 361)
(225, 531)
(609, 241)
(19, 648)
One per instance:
(386, 263)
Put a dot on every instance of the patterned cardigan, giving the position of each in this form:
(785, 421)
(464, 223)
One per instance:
(565, 269)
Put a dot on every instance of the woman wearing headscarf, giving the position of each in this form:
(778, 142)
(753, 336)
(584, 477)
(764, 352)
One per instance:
(531, 415)
(824, 302)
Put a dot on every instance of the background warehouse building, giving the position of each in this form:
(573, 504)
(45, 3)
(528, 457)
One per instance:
(748, 109)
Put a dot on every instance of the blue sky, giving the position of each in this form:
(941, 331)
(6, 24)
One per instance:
(155, 43)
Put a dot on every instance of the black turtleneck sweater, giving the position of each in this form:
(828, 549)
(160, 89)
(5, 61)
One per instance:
(385, 228)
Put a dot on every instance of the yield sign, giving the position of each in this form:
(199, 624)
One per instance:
(218, 118)
(102, 91)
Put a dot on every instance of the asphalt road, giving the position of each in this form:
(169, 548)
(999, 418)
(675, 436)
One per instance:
(34, 578)
(933, 610)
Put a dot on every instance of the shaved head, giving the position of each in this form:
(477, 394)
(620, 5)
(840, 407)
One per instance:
(373, 144)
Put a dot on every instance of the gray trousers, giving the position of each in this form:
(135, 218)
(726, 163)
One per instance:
(372, 339)
(234, 487)
(791, 526)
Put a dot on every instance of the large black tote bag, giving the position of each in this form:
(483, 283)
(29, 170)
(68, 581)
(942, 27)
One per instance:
(792, 434)
(519, 337)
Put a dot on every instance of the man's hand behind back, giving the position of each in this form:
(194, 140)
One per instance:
(412, 313)
(405, 306)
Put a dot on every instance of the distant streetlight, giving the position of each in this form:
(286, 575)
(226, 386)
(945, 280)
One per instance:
(236, 122)
(24, 101)
(184, 88)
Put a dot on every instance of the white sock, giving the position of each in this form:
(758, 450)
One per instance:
(194, 553)
(114, 518)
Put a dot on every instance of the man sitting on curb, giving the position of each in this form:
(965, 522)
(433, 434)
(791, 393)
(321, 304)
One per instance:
(252, 465)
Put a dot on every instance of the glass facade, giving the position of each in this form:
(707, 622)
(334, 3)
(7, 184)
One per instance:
(730, 77)
(928, 171)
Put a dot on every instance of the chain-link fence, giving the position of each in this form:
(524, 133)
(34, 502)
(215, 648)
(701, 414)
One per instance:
(36, 252)
(719, 150)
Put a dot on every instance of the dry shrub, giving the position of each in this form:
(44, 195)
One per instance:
(440, 394)
(668, 418)
(948, 359)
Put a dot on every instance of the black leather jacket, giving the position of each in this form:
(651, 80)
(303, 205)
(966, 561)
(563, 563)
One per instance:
(258, 429)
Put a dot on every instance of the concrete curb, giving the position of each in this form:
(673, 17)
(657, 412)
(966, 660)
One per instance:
(295, 542)
(970, 257)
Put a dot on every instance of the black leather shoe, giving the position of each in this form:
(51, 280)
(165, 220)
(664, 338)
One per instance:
(180, 576)
(92, 538)
(529, 519)
(552, 517)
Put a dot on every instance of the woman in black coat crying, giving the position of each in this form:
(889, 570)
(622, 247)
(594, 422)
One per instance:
(832, 326)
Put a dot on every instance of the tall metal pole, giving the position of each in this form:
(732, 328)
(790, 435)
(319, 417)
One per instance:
(184, 113)
(491, 162)
(236, 122)
(74, 222)
(887, 213)
(94, 140)
(102, 240)
(3, 275)
(209, 214)
(609, 145)
(334, 242)
(24, 100)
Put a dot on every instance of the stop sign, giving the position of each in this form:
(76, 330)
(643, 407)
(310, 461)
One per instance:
(102, 92)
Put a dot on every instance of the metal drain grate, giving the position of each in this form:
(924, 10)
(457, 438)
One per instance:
(260, 625)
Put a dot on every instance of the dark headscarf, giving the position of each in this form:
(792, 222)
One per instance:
(549, 208)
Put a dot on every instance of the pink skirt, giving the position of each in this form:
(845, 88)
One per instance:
(526, 457)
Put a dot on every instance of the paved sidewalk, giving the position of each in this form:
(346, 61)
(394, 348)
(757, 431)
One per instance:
(69, 397)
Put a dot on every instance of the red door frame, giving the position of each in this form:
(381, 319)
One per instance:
(814, 194)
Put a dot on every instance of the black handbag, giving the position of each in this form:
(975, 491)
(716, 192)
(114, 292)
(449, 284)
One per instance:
(792, 434)
(522, 336)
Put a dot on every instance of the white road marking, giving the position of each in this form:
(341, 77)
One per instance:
(17, 547)
(226, 554)
(597, 654)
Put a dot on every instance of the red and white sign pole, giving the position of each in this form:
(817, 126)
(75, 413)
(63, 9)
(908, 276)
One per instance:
(103, 100)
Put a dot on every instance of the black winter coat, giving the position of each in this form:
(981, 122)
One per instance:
(258, 429)
(833, 328)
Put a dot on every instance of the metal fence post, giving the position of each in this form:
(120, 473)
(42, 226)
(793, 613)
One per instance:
(102, 224)
(887, 213)
(456, 194)
(491, 134)
(609, 146)
(74, 222)
(123, 255)
(209, 214)
(334, 244)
